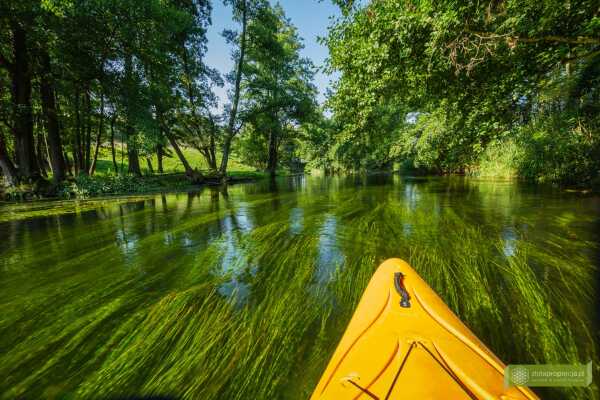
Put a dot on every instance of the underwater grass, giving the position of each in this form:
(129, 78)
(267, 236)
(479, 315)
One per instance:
(245, 294)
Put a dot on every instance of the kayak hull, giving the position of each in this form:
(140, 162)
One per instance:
(403, 342)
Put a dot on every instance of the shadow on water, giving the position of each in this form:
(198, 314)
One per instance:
(243, 292)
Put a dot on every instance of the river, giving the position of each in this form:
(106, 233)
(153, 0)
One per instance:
(243, 293)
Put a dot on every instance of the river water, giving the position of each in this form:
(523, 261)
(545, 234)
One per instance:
(243, 293)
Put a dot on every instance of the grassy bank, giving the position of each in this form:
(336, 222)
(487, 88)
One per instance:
(110, 181)
(553, 150)
(171, 164)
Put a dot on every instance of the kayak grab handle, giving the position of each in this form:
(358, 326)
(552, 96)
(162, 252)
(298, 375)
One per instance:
(401, 289)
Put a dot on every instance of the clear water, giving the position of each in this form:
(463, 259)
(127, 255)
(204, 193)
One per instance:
(244, 293)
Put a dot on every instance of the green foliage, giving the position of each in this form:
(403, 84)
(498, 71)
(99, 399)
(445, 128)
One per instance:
(88, 186)
(500, 160)
(553, 149)
(252, 147)
(277, 93)
(560, 149)
(471, 74)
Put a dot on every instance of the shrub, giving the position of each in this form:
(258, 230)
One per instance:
(500, 159)
(87, 186)
(559, 149)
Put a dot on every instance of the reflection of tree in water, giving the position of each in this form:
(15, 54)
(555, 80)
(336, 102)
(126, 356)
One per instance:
(235, 263)
(274, 191)
(296, 220)
(330, 257)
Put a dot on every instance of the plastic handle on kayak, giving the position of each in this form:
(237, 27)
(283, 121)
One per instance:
(399, 283)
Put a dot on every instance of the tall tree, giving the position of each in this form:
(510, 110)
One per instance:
(196, 84)
(242, 11)
(19, 67)
(277, 94)
(48, 100)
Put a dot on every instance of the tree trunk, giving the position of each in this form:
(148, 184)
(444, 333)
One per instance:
(47, 95)
(159, 157)
(7, 166)
(40, 153)
(132, 153)
(78, 148)
(112, 143)
(98, 136)
(88, 131)
(212, 161)
(208, 156)
(212, 153)
(225, 155)
(122, 155)
(230, 132)
(194, 176)
(272, 163)
(149, 163)
(23, 117)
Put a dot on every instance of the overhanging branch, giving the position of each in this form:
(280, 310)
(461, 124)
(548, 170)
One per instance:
(547, 38)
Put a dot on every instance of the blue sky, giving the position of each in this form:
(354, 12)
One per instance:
(311, 17)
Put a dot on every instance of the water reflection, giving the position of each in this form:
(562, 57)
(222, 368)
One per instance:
(236, 289)
(296, 220)
(330, 257)
(411, 195)
(509, 235)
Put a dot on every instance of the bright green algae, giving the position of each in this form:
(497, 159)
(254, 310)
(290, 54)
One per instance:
(244, 293)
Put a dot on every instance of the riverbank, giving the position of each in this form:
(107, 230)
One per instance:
(478, 171)
(111, 179)
(84, 186)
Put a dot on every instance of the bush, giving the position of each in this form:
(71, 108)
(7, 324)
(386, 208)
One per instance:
(87, 186)
(500, 159)
(556, 149)
(559, 150)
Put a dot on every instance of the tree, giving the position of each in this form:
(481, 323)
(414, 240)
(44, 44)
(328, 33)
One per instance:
(484, 68)
(15, 59)
(243, 11)
(196, 121)
(48, 100)
(277, 94)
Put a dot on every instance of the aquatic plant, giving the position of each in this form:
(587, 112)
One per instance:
(245, 292)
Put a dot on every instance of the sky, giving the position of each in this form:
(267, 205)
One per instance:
(311, 17)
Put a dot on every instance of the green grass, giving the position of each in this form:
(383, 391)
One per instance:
(170, 164)
(106, 182)
(499, 160)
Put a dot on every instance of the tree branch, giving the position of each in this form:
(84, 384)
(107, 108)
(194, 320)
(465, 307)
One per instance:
(589, 54)
(547, 38)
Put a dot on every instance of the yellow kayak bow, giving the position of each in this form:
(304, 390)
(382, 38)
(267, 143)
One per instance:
(403, 342)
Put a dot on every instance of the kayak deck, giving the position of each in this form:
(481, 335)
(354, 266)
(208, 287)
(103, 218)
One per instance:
(403, 342)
